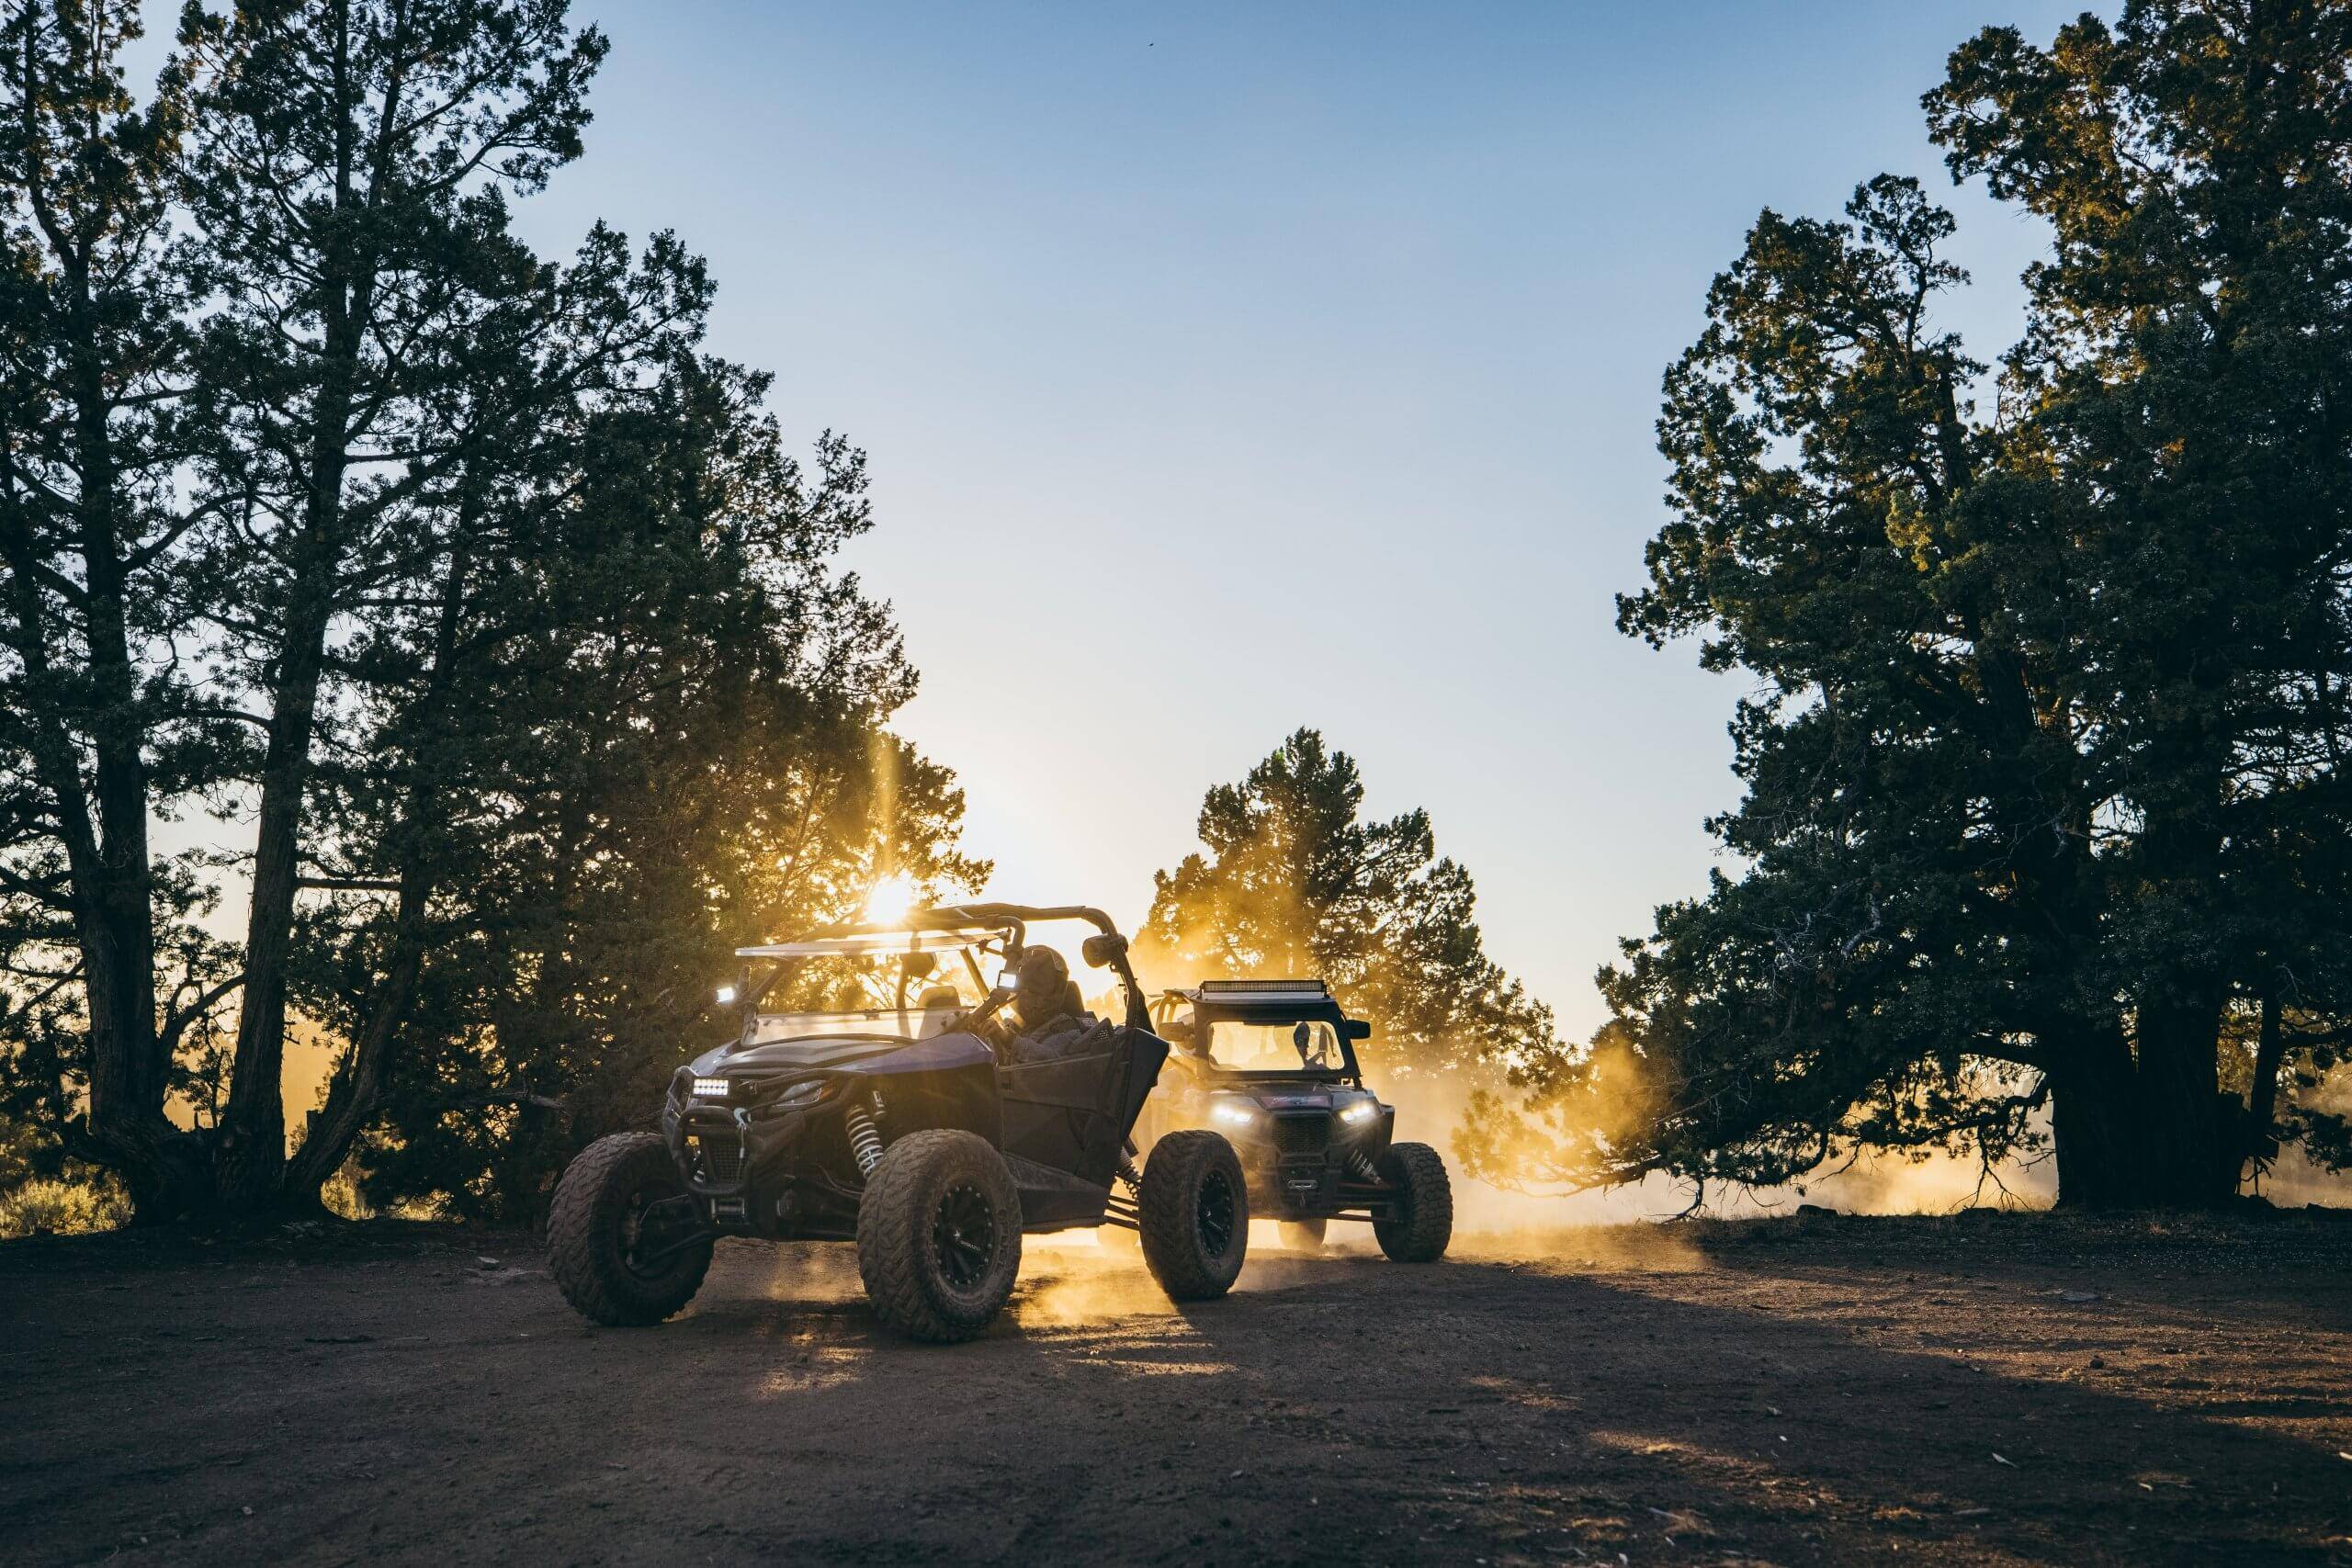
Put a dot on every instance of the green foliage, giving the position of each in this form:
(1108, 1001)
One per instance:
(1294, 883)
(723, 794)
(99, 579)
(2042, 802)
(468, 584)
(47, 1206)
(43, 1191)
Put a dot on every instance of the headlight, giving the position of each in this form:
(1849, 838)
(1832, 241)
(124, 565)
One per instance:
(1362, 1111)
(710, 1089)
(1232, 1113)
(802, 1093)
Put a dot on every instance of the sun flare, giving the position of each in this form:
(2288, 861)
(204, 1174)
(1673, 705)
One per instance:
(892, 897)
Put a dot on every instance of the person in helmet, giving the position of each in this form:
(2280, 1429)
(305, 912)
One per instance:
(1046, 1014)
(1180, 1032)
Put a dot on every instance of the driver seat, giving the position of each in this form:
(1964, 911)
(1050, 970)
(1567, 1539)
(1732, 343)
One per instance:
(941, 1007)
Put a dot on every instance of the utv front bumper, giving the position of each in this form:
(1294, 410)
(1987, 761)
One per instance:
(1304, 1164)
(737, 1156)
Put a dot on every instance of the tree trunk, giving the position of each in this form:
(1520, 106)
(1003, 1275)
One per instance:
(253, 1141)
(130, 1068)
(2095, 1138)
(252, 1130)
(2257, 1144)
(358, 1089)
(2191, 1144)
(102, 826)
(2150, 1133)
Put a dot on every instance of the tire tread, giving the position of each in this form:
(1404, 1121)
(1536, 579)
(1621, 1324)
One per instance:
(1165, 1215)
(892, 1248)
(1428, 1226)
(586, 1269)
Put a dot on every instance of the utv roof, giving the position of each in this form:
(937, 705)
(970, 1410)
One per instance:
(858, 943)
(925, 930)
(1255, 993)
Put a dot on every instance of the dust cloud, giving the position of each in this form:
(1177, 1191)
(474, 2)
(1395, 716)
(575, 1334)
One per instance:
(1078, 1279)
(806, 1271)
(1433, 1108)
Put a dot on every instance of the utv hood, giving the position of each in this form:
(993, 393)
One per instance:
(879, 1055)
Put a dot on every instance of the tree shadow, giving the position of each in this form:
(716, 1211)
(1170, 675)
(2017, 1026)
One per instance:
(1777, 1408)
(1342, 1408)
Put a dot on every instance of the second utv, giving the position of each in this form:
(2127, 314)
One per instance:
(1271, 1065)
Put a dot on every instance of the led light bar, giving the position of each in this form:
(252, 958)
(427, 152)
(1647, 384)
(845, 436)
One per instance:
(1286, 987)
(710, 1089)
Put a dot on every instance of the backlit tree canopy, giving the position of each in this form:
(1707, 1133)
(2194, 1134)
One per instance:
(481, 612)
(2045, 794)
(1295, 884)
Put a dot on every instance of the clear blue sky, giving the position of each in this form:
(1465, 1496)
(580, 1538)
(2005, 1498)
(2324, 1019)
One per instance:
(1225, 370)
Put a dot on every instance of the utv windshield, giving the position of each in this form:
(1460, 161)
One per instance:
(904, 986)
(1306, 1046)
(877, 1023)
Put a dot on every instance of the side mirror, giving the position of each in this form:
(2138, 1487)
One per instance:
(917, 965)
(1355, 1028)
(1102, 952)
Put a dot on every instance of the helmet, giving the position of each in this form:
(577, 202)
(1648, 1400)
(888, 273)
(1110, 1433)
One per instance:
(1042, 980)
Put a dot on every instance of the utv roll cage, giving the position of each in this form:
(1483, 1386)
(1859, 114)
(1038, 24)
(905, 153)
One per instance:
(1263, 1001)
(999, 930)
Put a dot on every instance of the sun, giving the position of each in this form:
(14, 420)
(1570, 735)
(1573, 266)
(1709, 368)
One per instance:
(892, 897)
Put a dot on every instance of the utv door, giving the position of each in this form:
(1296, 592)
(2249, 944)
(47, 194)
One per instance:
(1072, 1115)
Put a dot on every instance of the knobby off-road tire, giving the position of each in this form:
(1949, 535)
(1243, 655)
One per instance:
(939, 1235)
(1303, 1235)
(1194, 1214)
(1417, 1234)
(597, 1230)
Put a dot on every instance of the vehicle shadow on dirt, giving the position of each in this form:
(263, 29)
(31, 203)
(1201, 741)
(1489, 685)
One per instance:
(1340, 1408)
(1786, 1404)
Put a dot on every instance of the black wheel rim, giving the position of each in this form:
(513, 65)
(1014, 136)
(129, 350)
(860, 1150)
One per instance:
(653, 1226)
(963, 1236)
(1213, 1214)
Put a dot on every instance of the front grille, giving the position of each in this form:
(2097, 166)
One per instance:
(1303, 1137)
(720, 1157)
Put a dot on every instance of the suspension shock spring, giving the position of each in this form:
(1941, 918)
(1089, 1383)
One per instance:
(866, 1137)
(1360, 1166)
(1129, 1174)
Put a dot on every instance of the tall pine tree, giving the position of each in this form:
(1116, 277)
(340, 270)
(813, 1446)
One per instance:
(2045, 806)
(468, 584)
(1294, 882)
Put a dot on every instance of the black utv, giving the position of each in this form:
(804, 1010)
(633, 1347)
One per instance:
(926, 1128)
(1271, 1066)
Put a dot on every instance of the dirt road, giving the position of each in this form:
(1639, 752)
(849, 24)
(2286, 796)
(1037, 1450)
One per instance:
(2016, 1390)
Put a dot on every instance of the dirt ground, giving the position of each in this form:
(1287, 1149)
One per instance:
(2019, 1388)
